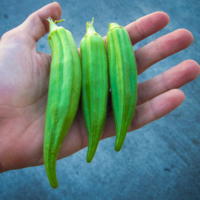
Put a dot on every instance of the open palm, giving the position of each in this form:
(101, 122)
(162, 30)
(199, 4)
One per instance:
(24, 75)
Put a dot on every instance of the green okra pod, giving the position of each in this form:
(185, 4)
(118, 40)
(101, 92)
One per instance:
(123, 80)
(63, 95)
(94, 86)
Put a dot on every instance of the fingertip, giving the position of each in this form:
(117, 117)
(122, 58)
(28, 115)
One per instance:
(181, 95)
(187, 36)
(56, 8)
(177, 96)
(164, 15)
(197, 66)
(194, 67)
(161, 17)
(166, 102)
(56, 4)
(190, 35)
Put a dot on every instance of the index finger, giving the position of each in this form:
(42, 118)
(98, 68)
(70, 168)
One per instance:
(146, 26)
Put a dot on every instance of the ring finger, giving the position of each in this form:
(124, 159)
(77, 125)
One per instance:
(173, 78)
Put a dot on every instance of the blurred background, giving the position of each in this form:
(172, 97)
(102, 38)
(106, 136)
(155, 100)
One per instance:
(158, 161)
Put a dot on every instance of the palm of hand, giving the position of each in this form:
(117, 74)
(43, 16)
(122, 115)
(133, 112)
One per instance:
(24, 75)
(23, 91)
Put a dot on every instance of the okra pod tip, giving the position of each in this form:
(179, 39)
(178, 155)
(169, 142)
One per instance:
(52, 24)
(90, 28)
(114, 25)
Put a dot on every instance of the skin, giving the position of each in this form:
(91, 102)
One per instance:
(24, 75)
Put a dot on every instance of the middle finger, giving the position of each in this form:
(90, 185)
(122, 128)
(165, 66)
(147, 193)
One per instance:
(162, 48)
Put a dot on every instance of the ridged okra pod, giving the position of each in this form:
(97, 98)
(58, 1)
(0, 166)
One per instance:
(123, 80)
(94, 86)
(63, 95)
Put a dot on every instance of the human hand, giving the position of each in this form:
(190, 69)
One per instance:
(24, 75)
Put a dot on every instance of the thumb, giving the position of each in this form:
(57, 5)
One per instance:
(36, 25)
